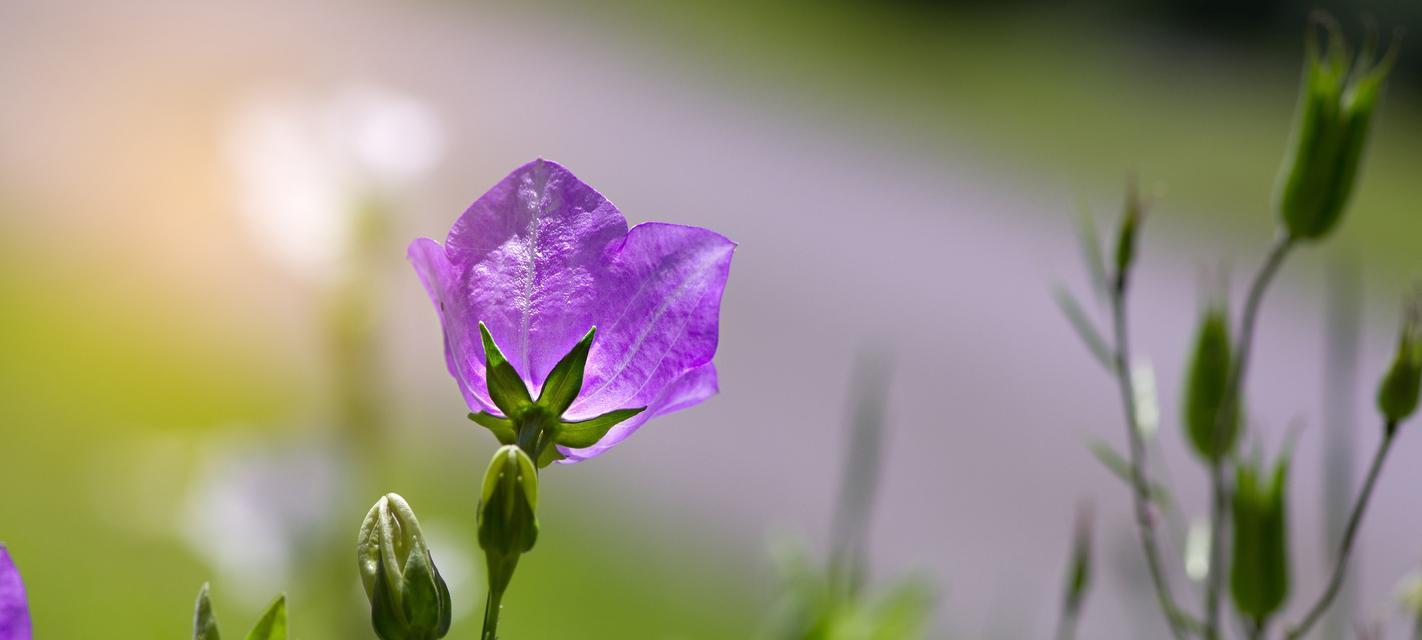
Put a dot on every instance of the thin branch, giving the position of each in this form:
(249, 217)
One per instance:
(1228, 408)
(1340, 566)
(1145, 523)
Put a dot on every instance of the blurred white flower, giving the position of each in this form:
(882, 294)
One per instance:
(252, 510)
(1197, 550)
(304, 162)
(1147, 399)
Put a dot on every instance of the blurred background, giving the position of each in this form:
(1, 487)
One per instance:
(214, 358)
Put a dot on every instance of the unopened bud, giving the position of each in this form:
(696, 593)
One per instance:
(508, 520)
(408, 598)
(1398, 391)
(1259, 570)
(1207, 383)
(1335, 110)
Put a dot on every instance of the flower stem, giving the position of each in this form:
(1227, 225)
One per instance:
(1340, 566)
(1145, 523)
(492, 605)
(1234, 391)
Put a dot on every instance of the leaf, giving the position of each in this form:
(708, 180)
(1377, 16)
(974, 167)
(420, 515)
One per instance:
(502, 428)
(580, 435)
(506, 389)
(1090, 242)
(272, 626)
(566, 379)
(1084, 327)
(204, 622)
(1121, 468)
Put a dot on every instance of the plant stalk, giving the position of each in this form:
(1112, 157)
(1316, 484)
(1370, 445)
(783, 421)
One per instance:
(1145, 523)
(1340, 566)
(1234, 391)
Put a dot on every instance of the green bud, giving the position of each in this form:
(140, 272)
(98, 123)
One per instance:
(508, 504)
(1126, 235)
(1334, 113)
(1206, 387)
(1259, 571)
(408, 598)
(1398, 391)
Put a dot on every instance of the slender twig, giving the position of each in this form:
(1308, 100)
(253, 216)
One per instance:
(1234, 390)
(1350, 533)
(1145, 522)
(1066, 625)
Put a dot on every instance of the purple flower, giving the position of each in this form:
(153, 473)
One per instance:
(540, 259)
(14, 613)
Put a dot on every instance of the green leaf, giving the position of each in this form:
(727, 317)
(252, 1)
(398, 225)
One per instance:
(566, 379)
(502, 428)
(1121, 468)
(580, 435)
(272, 626)
(506, 388)
(1084, 327)
(1090, 242)
(204, 622)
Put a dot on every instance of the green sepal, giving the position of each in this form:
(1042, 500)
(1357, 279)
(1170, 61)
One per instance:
(549, 455)
(204, 621)
(422, 604)
(580, 435)
(564, 382)
(506, 388)
(502, 428)
(272, 626)
(384, 617)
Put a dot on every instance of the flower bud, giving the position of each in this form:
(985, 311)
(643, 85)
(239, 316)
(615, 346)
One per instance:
(1206, 387)
(1398, 391)
(408, 598)
(1127, 233)
(508, 504)
(1259, 571)
(1336, 105)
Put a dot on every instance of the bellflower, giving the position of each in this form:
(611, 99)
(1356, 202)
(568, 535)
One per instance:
(14, 612)
(540, 260)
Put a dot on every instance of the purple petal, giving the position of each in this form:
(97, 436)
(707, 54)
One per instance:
(463, 353)
(688, 390)
(527, 257)
(14, 613)
(662, 301)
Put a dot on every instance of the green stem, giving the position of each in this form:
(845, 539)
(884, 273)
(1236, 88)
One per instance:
(1340, 566)
(491, 615)
(1066, 626)
(1234, 391)
(1145, 524)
